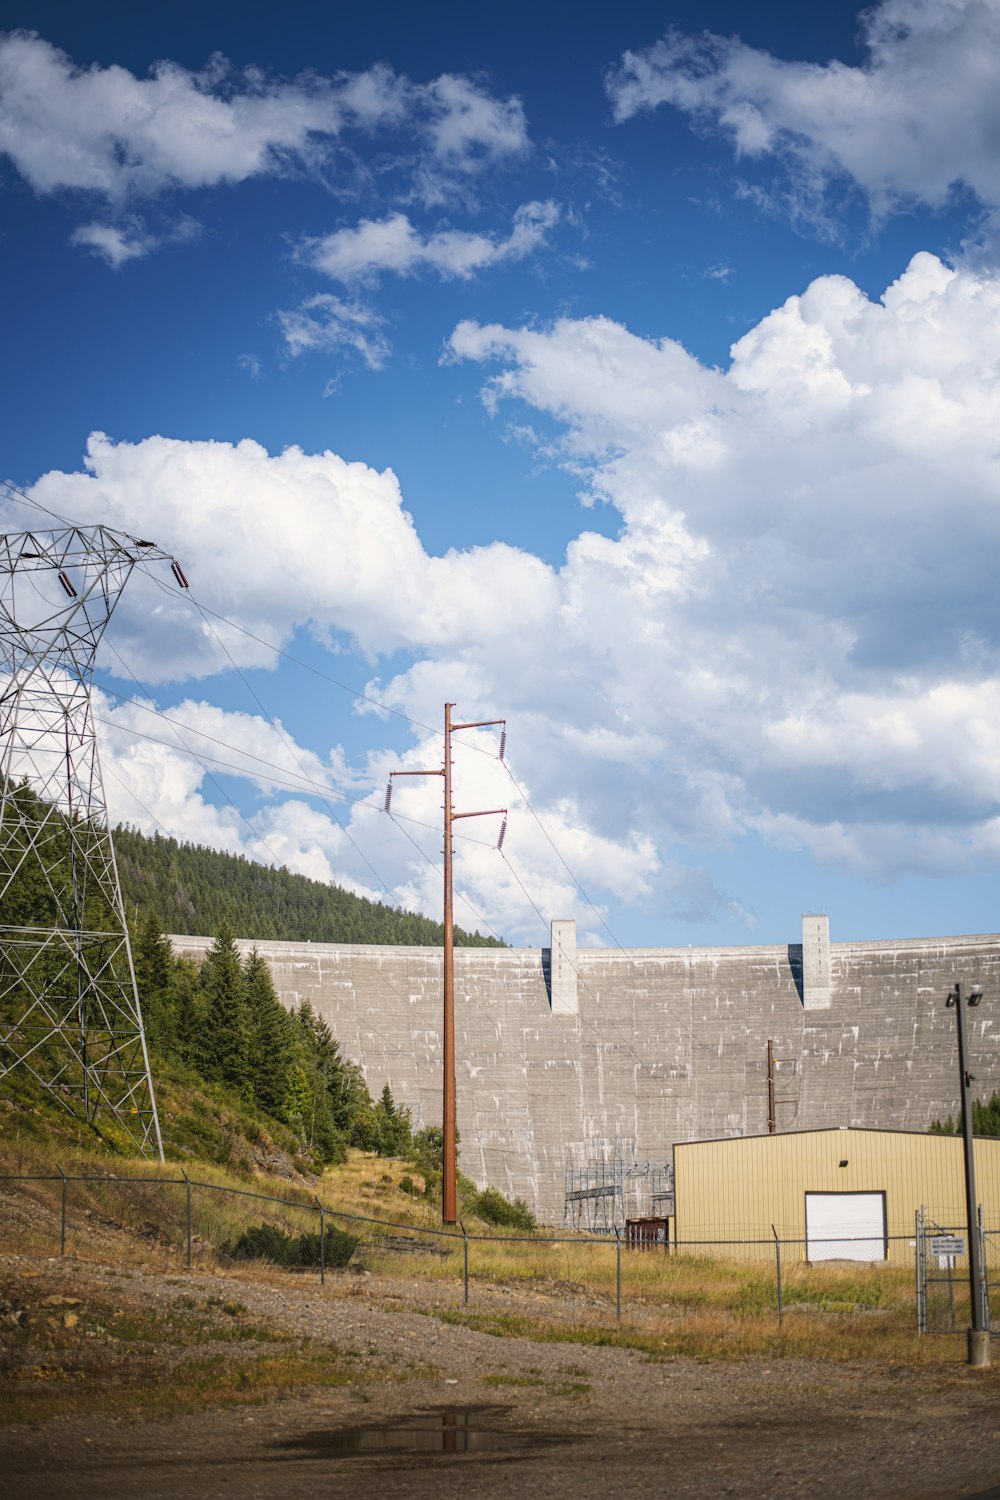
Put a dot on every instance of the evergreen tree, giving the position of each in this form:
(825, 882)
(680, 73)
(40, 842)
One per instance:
(297, 1103)
(223, 1019)
(269, 1041)
(154, 977)
(187, 1011)
(318, 1055)
(364, 1133)
(222, 1042)
(394, 1126)
(985, 1119)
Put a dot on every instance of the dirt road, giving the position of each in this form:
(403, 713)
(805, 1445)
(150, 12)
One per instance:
(494, 1417)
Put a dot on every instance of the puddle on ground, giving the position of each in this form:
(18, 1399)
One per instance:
(469, 1429)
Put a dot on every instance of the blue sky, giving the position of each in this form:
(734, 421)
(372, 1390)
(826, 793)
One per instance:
(633, 377)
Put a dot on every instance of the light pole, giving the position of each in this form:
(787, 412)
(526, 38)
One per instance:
(979, 1334)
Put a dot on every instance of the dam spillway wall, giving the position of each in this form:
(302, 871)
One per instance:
(656, 1045)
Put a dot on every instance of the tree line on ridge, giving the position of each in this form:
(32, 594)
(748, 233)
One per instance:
(195, 889)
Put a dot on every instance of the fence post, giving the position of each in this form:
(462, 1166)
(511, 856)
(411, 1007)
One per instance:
(777, 1261)
(916, 1263)
(322, 1241)
(187, 1183)
(983, 1271)
(465, 1247)
(618, 1260)
(62, 1216)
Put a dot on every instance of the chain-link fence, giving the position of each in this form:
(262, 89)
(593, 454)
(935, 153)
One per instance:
(163, 1221)
(945, 1276)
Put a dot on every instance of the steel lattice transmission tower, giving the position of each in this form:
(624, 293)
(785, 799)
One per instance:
(69, 1008)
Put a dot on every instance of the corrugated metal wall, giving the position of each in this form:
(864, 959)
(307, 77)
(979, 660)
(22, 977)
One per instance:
(737, 1189)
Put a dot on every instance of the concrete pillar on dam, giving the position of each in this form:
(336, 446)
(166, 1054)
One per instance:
(815, 961)
(563, 969)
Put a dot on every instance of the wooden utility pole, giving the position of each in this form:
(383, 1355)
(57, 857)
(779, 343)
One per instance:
(449, 1163)
(449, 1149)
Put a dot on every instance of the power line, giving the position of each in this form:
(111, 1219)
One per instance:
(419, 724)
(346, 832)
(383, 978)
(391, 1045)
(19, 496)
(550, 1088)
(311, 787)
(306, 666)
(285, 779)
(205, 610)
(467, 838)
(187, 749)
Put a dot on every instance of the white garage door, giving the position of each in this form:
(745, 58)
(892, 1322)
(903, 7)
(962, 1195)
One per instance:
(845, 1226)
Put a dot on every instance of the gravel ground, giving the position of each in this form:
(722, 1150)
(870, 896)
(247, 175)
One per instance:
(573, 1420)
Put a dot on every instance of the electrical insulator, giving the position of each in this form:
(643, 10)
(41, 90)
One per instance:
(388, 795)
(503, 742)
(67, 583)
(178, 573)
(503, 830)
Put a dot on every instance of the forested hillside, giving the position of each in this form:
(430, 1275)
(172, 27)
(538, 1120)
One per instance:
(195, 890)
(265, 1079)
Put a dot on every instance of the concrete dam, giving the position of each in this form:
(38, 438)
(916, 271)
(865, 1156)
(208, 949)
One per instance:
(573, 1061)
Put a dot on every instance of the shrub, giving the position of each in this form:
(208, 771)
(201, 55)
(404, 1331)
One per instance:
(494, 1208)
(426, 1148)
(297, 1252)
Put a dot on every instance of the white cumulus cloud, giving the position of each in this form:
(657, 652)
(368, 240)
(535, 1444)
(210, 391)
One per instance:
(107, 131)
(793, 634)
(917, 119)
(328, 323)
(104, 130)
(393, 244)
(114, 244)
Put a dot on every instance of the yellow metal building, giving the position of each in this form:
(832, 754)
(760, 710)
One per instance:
(841, 1194)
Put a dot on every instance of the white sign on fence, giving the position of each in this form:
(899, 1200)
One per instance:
(947, 1244)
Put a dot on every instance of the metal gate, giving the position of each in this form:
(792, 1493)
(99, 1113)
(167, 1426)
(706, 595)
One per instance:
(942, 1268)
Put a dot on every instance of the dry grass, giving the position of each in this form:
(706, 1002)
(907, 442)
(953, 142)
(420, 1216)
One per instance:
(554, 1289)
(103, 1355)
(370, 1185)
(720, 1335)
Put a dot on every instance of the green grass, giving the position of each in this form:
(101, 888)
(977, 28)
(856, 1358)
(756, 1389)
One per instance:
(200, 1122)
